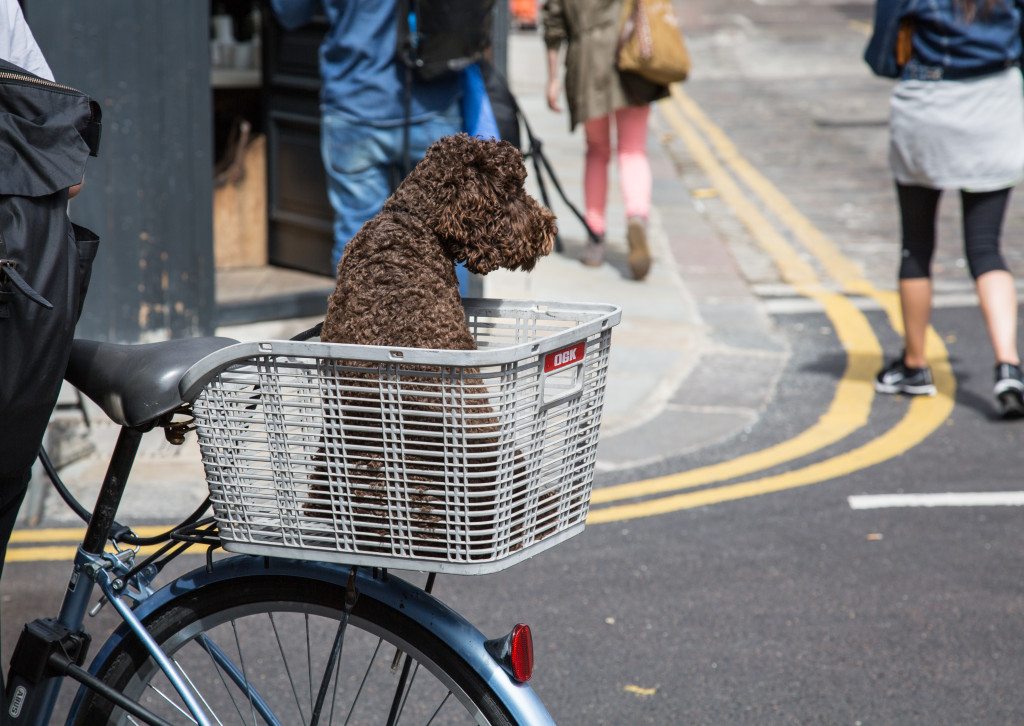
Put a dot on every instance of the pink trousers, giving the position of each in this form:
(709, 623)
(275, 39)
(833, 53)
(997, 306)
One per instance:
(634, 169)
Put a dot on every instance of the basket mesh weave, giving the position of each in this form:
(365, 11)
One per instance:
(455, 466)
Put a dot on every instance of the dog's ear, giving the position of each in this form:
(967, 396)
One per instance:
(484, 215)
(521, 235)
(479, 174)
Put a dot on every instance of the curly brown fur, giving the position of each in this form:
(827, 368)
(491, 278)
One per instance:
(397, 286)
(464, 202)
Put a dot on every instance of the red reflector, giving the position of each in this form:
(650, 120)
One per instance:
(522, 653)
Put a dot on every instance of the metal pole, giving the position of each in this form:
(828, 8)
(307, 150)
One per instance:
(165, 663)
(499, 59)
(499, 42)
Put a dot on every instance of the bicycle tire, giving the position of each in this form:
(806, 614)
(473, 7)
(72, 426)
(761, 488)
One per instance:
(178, 624)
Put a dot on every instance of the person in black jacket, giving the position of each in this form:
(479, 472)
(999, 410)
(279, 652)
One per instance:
(34, 337)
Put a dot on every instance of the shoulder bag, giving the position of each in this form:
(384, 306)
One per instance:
(651, 44)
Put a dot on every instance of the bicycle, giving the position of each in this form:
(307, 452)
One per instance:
(512, 427)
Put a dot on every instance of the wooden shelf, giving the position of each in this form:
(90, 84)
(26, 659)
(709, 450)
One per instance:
(235, 78)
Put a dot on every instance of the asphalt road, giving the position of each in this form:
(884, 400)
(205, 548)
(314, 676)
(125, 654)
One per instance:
(787, 606)
(784, 608)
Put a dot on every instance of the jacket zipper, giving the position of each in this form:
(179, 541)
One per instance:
(91, 133)
(33, 81)
(5, 293)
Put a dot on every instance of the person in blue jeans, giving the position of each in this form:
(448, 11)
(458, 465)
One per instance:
(364, 107)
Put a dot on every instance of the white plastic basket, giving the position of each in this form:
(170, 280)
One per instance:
(434, 460)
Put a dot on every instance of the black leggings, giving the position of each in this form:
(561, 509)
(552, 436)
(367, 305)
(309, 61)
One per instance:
(983, 214)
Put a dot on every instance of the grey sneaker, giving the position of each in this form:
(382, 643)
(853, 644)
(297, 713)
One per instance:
(897, 377)
(1009, 390)
(593, 255)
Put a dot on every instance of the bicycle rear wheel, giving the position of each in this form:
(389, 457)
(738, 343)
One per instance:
(256, 650)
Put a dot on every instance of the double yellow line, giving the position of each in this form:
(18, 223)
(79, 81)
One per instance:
(851, 404)
(61, 544)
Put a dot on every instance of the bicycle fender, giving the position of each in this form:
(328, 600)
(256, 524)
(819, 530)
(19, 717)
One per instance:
(427, 611)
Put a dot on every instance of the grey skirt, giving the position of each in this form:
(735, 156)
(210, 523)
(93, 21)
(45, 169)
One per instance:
(966, 134)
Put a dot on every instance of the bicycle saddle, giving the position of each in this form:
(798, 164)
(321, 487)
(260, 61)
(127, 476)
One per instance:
(136, 384)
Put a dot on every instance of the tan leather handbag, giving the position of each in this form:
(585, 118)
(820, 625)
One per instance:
(651, 44)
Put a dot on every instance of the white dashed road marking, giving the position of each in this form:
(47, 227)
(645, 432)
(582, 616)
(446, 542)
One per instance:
(947, 499)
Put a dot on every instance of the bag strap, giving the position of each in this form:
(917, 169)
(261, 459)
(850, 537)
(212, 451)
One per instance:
(407, 53)
(10, 269)
(643, 30)
(627, 22)
(309, 333)
(405, 48)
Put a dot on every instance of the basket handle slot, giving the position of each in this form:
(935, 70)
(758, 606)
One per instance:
(563, 363)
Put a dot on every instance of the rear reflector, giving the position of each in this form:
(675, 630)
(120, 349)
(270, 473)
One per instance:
(521, 655)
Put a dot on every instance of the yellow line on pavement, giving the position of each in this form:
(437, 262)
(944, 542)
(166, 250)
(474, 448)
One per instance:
(30, 545)
(58, 553)
(851, 402)
(848, 411)
(72, 534)
(793, 269)
(923, 417)
(41, 554)
(839, 267)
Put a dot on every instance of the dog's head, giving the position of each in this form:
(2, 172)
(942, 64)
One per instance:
(471, 193)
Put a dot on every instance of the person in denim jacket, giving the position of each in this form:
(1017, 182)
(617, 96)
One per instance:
(956, 122)
(944, 44)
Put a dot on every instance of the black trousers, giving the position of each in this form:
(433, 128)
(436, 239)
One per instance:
(12, 492)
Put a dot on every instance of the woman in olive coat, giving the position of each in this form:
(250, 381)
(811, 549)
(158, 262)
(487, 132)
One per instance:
(597, 92)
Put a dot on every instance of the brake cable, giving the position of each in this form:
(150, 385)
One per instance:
(118, 531)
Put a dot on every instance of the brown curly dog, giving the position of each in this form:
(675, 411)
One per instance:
(397, 286)
(464, 202)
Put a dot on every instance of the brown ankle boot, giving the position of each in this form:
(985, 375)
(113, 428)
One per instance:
(639, 255)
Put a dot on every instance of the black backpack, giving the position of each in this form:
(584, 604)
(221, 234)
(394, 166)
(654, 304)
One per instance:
(503, 104)
(436, 37)
(47, 131)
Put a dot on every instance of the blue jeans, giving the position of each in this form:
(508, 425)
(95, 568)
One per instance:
(361, 159)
